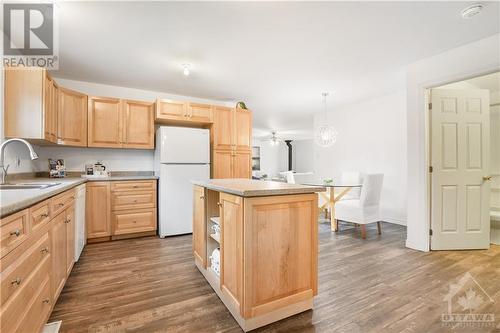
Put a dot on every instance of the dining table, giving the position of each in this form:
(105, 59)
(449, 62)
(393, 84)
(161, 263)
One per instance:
(343, 187)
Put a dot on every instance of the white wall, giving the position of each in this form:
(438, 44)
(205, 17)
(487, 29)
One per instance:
(371, 139)
(303, 155)
(76, 158)
(470, 60)
(273, 159)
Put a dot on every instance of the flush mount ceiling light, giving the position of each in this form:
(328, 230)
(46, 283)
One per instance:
(186, 69)
(325, 135)
(472, 10)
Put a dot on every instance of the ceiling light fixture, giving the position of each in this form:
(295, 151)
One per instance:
(274, 141)
(186, 69)
(325, 135)
(472, 10)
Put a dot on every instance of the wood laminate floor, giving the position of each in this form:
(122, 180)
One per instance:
(372, 285)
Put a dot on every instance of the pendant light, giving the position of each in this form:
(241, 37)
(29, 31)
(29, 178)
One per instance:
(274, 141)
(325, 135)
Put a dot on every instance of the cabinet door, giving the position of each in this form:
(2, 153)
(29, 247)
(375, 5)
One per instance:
(70, 238)
(58, 244)
(167, 109)
(72, 118)
(222, 164)
(242, 164)
(50, 109)
(199, 226)
(243, 129)
(200, 113)
(231, 276)
(105, 122)
(98, 202)
(138, 124)
(223, 128)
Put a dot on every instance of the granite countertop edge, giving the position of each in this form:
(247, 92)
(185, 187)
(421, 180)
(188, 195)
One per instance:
(260, 193)
(66, 184)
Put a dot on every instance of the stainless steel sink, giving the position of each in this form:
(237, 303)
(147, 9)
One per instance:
(27, 186)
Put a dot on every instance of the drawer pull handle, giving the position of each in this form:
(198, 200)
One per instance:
(45, 250)
(134, 221)
(16, 281)
(202, 197)
(15, 232)
(135, 186)
(219, 204)
(61, 204)
(135, 200)
(44, 215)
(67, 221)
(46, 301)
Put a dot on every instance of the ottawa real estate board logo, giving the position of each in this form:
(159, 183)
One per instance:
(30, 35)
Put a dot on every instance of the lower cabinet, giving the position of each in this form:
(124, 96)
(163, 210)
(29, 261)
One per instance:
(37, 257)
(119, 209)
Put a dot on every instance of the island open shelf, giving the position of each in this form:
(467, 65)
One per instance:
(268, 246)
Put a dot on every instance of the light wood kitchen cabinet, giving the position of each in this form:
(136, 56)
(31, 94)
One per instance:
(70, 238)
(58, 245)
(98, 208)
(120, 209)
(268, 247)
(223, 128)
(167, 109)
(232, 164)
(231, 276)
(72, 118)
(243, 129)
(138, 124)
(30, 105)
(117, 123)
(200, 113)
(105, 122)
(183, 113)
(199, 225)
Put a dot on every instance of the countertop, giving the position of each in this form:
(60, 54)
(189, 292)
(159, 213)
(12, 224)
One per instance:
(256, 188)
(12, 201)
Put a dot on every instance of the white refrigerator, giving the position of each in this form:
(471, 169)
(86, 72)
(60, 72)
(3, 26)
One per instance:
(182, 155)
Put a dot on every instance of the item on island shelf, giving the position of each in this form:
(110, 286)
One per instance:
(215, 261)
(216, 229)
(57, 169)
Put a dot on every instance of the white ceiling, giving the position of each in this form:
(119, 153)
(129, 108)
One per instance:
(276, 56)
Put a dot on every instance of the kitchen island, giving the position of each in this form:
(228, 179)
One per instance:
(256, 243)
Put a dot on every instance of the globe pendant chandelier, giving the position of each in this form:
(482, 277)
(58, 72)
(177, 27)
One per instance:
(325, 135)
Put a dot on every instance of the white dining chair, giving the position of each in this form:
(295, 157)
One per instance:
(366, 209)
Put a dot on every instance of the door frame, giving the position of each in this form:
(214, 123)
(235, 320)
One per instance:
(426, 91)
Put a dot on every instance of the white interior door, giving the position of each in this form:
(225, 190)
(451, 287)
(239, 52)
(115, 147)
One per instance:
(460, 138)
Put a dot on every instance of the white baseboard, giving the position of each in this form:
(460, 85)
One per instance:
(414, 246)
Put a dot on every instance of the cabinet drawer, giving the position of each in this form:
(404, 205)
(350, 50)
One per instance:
(126, 222)
(16, 275)
(13, 231)
(39, 215)
(133, 200)
(61, 202)
(39, 311)
(24, 307)
(133, 185)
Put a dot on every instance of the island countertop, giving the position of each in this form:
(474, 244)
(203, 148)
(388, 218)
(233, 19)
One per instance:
(256, 188)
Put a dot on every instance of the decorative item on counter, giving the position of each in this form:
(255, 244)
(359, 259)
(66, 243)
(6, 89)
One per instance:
(215, 261)
(241, 105)
(57, 169)
(89, 169)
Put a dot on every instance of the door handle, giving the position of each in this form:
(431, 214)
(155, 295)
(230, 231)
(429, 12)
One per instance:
(485, 178)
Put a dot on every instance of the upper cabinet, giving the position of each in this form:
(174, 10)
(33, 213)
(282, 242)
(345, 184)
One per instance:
(243, 129)
(223, 128)
(72, 118)
(175, 112)
(138, 124)
(116, 123)
(30, 105)
(105, 122)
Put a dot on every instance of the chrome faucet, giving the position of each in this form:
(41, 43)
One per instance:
(33, 155)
